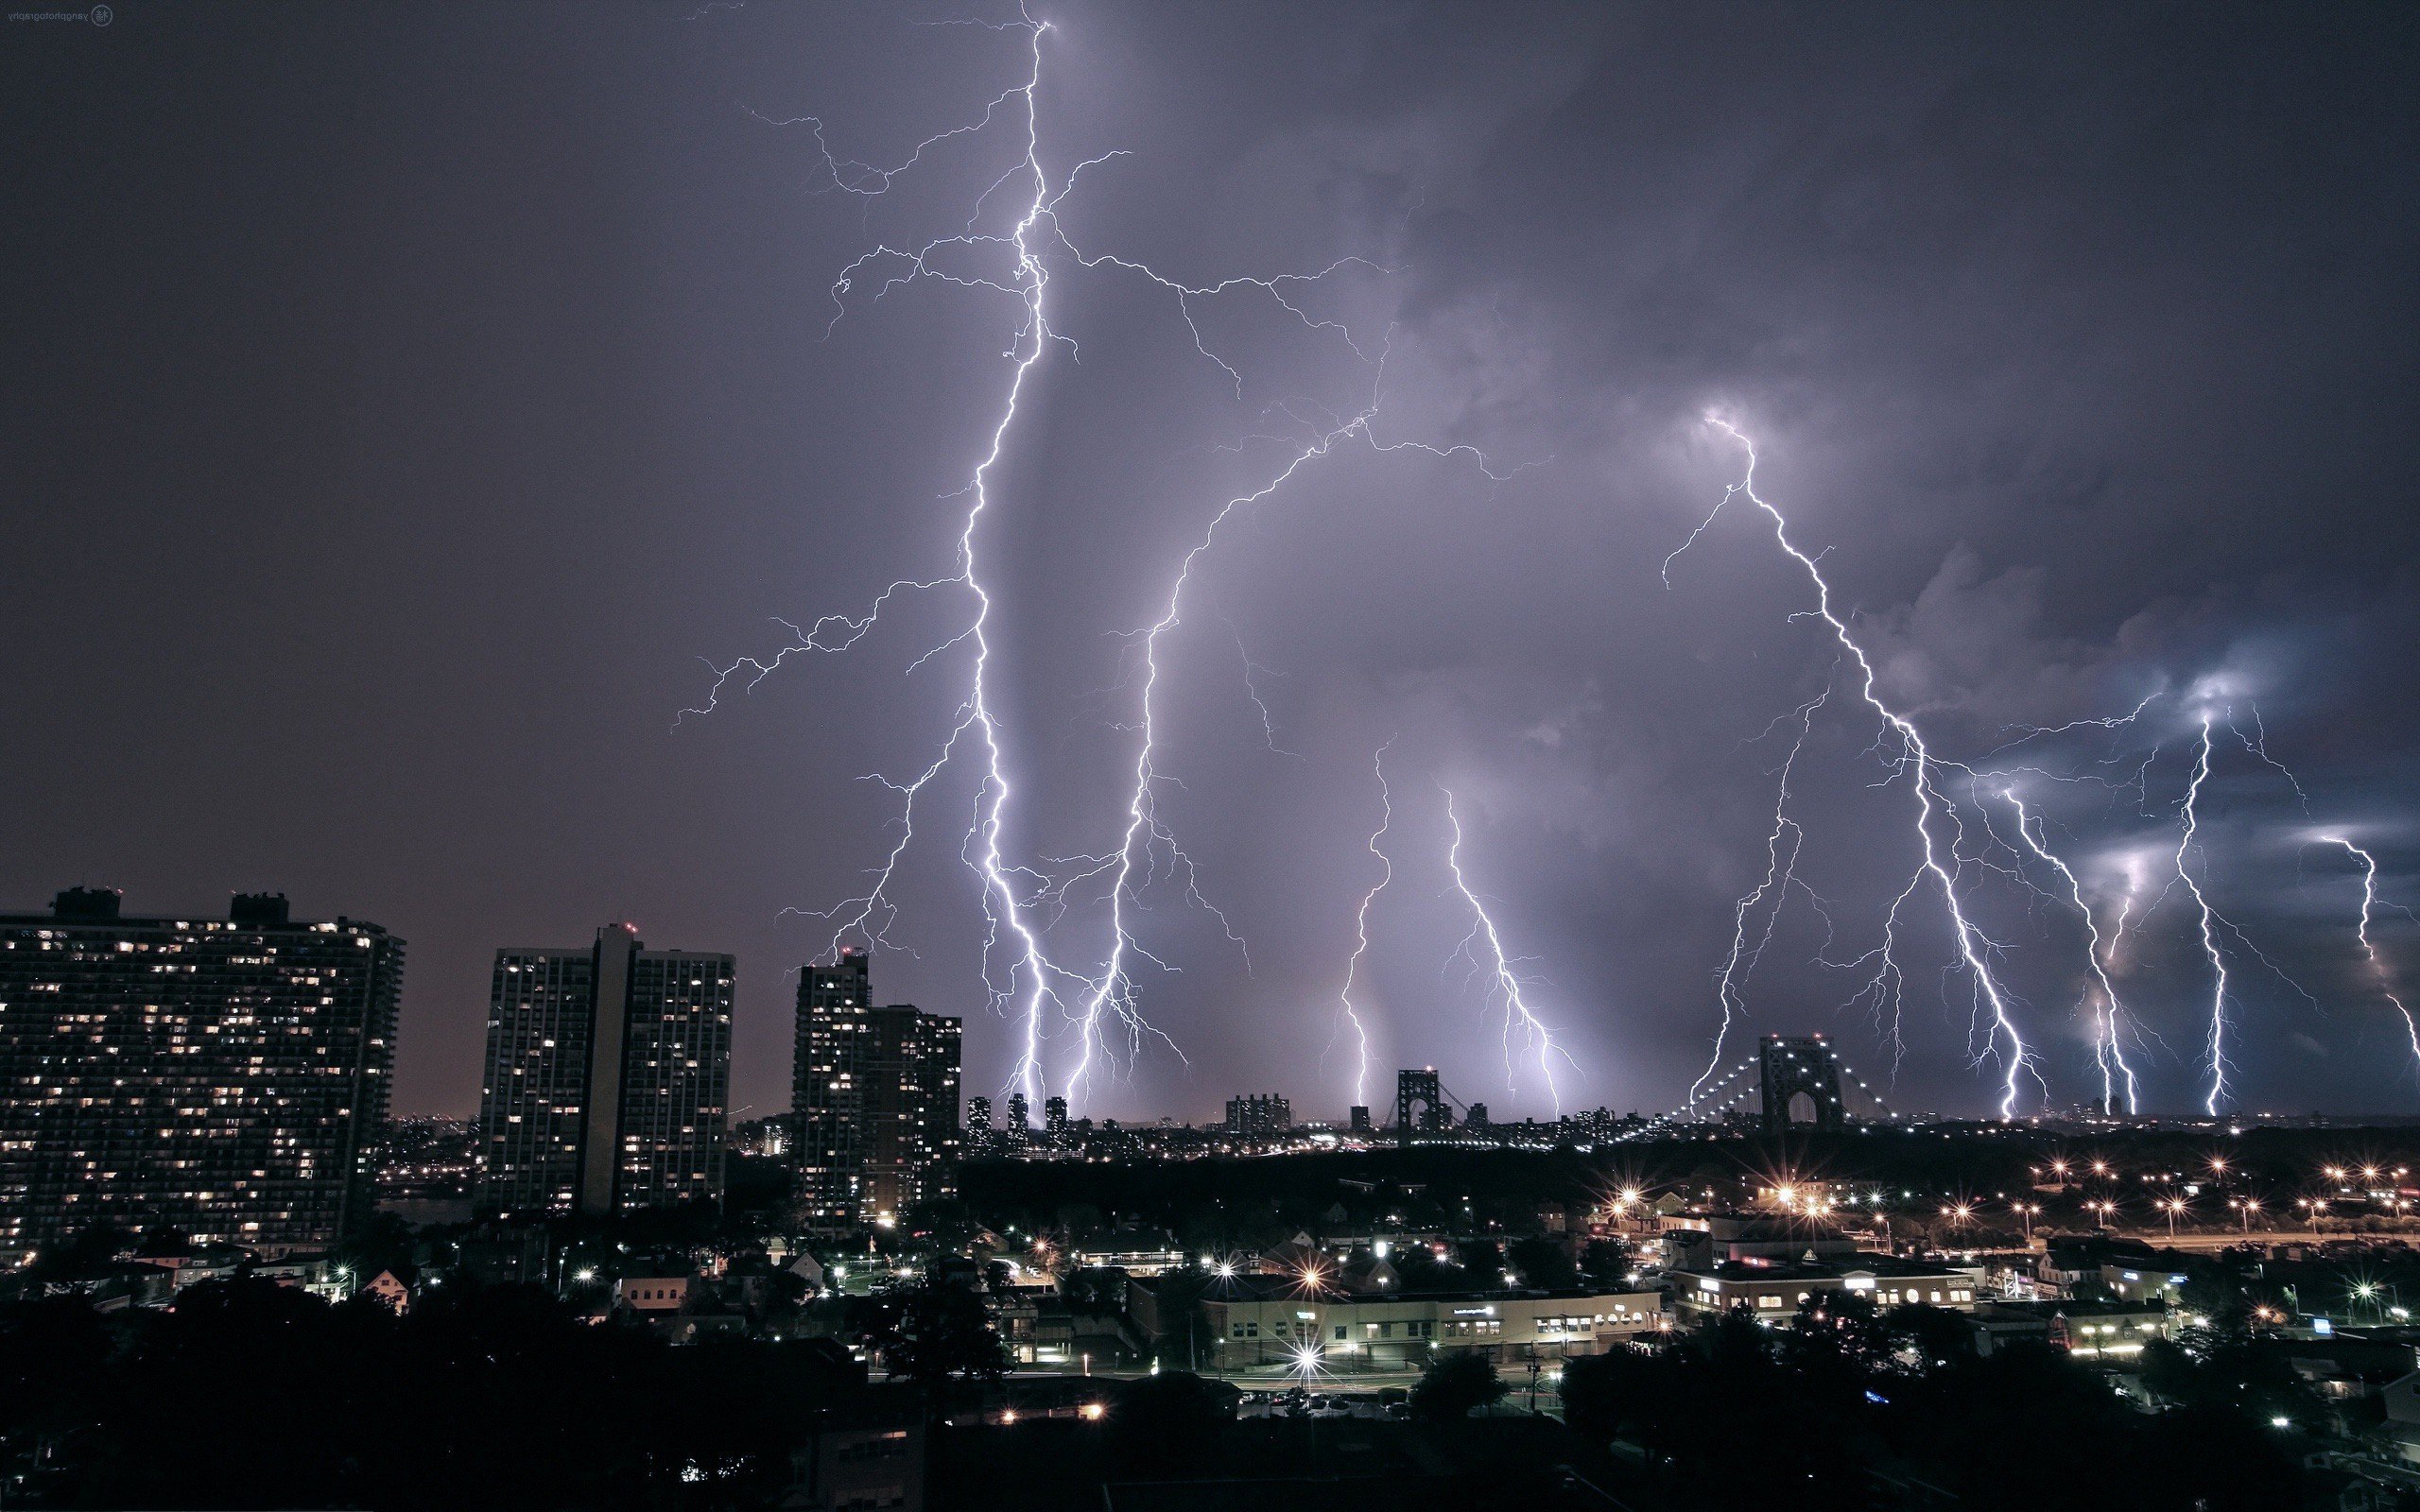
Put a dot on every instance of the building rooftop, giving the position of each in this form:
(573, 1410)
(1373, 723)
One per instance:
(1833, 1269)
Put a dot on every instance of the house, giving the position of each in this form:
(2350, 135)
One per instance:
(392, 1286)
(652, 1297)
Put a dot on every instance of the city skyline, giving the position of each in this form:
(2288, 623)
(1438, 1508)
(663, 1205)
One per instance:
(1496, 727)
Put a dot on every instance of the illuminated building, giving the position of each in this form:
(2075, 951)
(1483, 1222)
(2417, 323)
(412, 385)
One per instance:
(827, 1068)
(1776, 1289)
(223, 1077)
(911, 1106)
(875, 1094)
(1259, 1116)
(608, 1076)
(1271, 1319)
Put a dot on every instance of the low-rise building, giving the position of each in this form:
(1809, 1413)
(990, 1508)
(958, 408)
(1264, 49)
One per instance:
(653, 1296)
(2114, 1332)
(1778, 1288)
(1265, 1320)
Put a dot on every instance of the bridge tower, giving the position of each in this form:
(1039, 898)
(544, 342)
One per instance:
(1421, 1089)
(1802, 1084)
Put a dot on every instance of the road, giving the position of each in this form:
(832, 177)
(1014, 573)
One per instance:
(2222, 1238)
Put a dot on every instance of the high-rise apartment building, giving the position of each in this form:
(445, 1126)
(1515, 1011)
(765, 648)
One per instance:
(608, 1076)
(874, 1097)
(827, 1086)
(1259, 1116)
(911, 1100)
(223, 1077)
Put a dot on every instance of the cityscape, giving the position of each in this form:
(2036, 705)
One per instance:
(1016, 757)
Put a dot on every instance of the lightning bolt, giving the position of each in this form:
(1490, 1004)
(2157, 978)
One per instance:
(1535, 1036)
(2191, 820)
(1033, 981)
(1938, 829)
(1780, 872)
(2369, 947)
(1147, 838)
(2109, 1052)
(1362, 932)
(1024, 982)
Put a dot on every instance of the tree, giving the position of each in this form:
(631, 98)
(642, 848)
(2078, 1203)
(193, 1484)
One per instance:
(1542, 1263)
(1455, 1383)
(1485, 1260)
(1605, 1264)
(1603, 1392)
(937, 1335)
(1094, 1289)
(1169, 1424)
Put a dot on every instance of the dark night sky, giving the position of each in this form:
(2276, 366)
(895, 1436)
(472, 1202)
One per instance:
(400, 401)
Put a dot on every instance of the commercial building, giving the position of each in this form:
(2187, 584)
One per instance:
(1778, 1288)
(224, 1077)
(1272, 1319)
(608, 1076)
(1770, 1265)
(874, 1094)
(2114, 1332)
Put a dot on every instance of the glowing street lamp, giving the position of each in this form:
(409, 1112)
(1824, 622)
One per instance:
(2103, 1209)
(2173, 1207)
(2247, 1206)
(2025, 1213)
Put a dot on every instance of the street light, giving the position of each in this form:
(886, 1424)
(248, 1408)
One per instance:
(2247, 1206)
(2104, 1208)
(2173, 1207)
(2025, 1213)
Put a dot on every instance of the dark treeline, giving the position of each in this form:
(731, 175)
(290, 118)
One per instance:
(1843, 1408)
(251, 1395)
(1240, 1201)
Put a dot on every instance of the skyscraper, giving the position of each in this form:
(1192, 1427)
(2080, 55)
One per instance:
(221, 1078)
(608, 1076)
(1259, 1116)
(827, 1073)
(911, 1100)
(874, 1095)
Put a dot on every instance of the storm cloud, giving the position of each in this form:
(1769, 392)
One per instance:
(409, 408)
